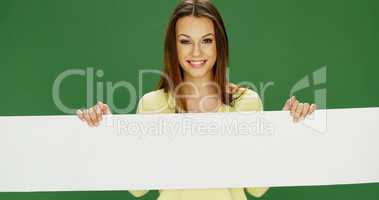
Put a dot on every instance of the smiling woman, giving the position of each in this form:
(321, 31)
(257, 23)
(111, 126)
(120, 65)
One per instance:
(196, 56)
(197, 42)
(196, 46)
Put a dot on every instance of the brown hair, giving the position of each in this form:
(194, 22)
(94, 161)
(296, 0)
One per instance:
(172, 69)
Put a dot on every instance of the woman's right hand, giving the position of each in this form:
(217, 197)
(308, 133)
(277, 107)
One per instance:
(93, 115)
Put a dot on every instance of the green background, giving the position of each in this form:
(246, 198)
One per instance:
(278, 41)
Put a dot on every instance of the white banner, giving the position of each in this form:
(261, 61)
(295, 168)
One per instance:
(197, 150)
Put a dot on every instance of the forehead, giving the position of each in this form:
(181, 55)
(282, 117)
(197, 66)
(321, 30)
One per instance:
(194, 26)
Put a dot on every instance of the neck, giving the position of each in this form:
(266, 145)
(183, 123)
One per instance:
(200, 87)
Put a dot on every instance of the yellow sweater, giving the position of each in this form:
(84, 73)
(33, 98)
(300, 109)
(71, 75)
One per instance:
(160, 102)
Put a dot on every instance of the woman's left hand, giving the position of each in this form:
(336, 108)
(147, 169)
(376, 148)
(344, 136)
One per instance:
(298, 110)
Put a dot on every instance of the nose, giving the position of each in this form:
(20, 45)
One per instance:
(196, 51)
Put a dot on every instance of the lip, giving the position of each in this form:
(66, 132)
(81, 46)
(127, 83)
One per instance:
(197, 63)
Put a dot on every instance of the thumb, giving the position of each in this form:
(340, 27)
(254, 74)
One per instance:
(104, 108)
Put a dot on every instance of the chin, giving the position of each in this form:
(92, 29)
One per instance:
(197, 72)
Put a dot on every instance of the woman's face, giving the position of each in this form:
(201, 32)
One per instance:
(196, 46)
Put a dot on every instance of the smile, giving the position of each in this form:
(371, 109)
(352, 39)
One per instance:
(196, 63)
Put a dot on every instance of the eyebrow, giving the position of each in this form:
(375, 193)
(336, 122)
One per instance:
(190, 36)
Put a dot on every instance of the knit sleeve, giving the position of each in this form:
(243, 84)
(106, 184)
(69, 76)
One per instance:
(248, 101)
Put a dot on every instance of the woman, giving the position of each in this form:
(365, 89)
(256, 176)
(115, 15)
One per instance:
(194, 80)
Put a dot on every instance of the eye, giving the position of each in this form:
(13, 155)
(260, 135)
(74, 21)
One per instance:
(183, 41)
(207, 40)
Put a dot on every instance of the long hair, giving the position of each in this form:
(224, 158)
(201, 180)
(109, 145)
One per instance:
(172, 70)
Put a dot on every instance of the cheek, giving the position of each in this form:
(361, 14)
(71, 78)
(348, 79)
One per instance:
(181, 56)
(183, 51)
(211, 52)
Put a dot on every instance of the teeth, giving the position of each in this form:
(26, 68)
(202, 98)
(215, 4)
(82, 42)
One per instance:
(197, 62)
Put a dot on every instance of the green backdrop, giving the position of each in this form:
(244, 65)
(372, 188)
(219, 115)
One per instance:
(278, 41)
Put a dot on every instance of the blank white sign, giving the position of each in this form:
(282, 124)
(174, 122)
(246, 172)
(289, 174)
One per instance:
(193, 150)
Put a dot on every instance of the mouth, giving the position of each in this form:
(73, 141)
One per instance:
(197, 63)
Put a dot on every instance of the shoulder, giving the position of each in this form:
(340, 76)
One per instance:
(247, 99)
(153, 96)
(154, 101)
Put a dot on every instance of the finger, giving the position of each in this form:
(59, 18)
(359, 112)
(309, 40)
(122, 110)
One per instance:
(312, 108)
(107, 109)
(292, 101)
(99, 115)
(93, 116)
(87, 118)
(104, 108)
(298, 111)
(79, 113)
(293, 107)
(305, 111)
(287, 105)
